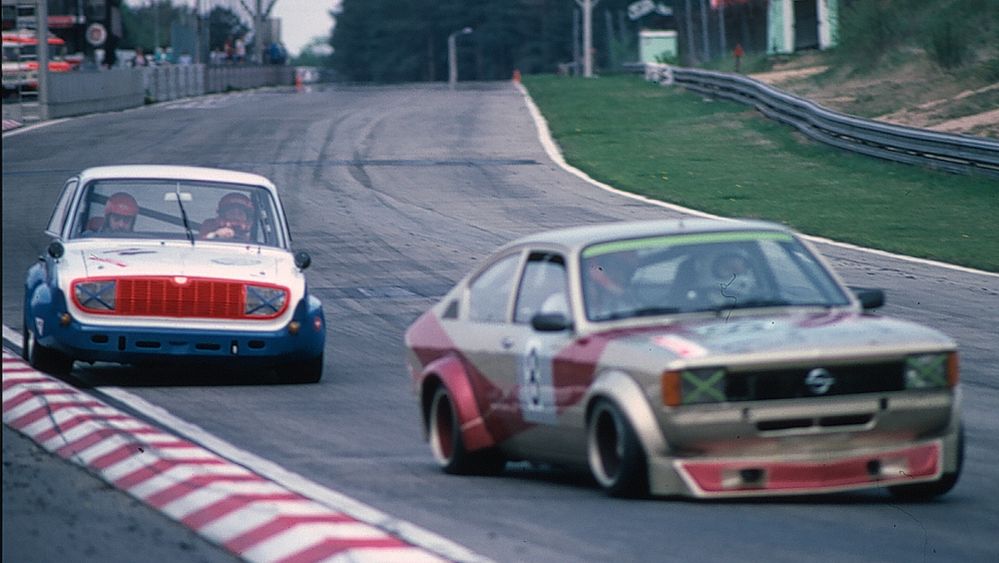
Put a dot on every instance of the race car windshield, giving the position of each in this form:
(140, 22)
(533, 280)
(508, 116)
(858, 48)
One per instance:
(156, 209)
(703, 272)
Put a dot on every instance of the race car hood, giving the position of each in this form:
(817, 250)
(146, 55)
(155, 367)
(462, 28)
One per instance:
(174, 258)
(772, 338)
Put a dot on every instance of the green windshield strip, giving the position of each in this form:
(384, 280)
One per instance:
(676, 240)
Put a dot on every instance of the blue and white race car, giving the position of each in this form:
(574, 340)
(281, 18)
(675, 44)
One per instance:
(153, 264)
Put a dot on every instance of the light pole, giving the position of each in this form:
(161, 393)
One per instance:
(452, 56)
(587, 7)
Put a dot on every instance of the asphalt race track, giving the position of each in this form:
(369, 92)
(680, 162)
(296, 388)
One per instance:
(396, 192)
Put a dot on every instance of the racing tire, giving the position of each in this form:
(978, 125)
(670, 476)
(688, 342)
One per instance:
(307, 371)
(42, 358)
(617, 460)
(444, 432)
(933, 489)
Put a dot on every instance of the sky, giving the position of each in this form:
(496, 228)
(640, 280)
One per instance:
(301, 20)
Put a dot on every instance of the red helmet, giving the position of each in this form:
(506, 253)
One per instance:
(122, 204)
(236, 199)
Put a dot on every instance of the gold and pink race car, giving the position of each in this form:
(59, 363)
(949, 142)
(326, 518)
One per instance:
(694, 358)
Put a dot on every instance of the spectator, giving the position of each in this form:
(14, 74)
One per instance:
(240, 50)
(140, 58)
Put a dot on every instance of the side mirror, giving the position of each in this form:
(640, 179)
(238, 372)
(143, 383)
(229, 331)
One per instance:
(302, 259)
(550, 322)
(56, 249)
(869, 298)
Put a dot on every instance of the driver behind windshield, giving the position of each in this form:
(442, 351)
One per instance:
(234, 219)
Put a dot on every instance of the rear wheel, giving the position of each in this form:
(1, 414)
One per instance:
(44, 359)
(447, 445)
(306, 371)
(616, 458)
(927, 491)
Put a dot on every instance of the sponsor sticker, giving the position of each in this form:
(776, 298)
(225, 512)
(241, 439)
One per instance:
(680, 346)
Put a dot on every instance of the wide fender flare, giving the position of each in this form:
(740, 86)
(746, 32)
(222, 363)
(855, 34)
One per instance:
(450, 372)
(622, 390)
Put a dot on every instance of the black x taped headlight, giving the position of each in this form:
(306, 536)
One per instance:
(95, 296)
(693, 386)
(931, 371)
(265, 301)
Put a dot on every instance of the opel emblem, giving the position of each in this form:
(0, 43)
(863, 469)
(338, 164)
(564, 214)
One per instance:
(819, 380)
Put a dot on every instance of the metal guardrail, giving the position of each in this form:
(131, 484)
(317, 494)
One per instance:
(962, 154)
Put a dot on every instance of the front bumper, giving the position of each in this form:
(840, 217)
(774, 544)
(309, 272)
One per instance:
(90, 343)
(856, 469)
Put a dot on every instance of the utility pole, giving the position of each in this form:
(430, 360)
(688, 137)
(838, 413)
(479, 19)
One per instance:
(452, 56)
(42, 33)
(704, 30)
(689, 32)
(258, 36)
(587, 7)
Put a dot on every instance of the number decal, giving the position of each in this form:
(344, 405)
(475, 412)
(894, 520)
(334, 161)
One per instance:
(537, 400)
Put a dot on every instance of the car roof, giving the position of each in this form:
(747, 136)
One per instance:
(578, 237)
(173, 172)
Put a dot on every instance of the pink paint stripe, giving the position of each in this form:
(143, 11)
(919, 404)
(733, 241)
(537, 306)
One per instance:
(114, 456)
(198, 519)
(31, 394)
(14, 382)
(77, 446)
(330, 547)
(162, 498)
(245, 541)
(49, 410)
(74, 421)
(152, 470)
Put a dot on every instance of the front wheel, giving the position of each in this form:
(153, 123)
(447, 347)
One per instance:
(42, 358)
(943, 485)
(617, 460)
(447, 445)
(307, 371)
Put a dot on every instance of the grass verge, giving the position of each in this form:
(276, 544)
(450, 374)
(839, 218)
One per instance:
(725, 158)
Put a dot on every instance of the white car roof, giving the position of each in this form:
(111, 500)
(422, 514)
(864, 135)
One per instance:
(174, 172)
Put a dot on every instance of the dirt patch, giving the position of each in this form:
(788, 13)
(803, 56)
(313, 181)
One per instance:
(914, 93)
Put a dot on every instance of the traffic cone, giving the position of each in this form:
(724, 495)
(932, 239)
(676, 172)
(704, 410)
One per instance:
(516, 75)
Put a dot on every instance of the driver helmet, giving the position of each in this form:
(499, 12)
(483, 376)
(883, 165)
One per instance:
(121, 205)
(238, 201)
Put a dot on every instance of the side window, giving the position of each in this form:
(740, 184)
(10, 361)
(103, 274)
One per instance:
(543, 288)
(62, 208)
(489, 293)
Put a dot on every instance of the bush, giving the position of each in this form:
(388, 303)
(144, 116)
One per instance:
(947, 45)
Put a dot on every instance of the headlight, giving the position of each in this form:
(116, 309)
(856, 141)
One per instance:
(264, 301)
(931, 371)
(95, 296)
(688, 387)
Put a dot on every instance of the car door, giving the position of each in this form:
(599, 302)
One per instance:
(483, 337)
(542, 289)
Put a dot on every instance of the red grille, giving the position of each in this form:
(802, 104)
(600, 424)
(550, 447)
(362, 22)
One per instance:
(164, 297)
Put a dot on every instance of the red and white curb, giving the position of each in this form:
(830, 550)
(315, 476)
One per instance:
(9, 124)
(251, 516)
